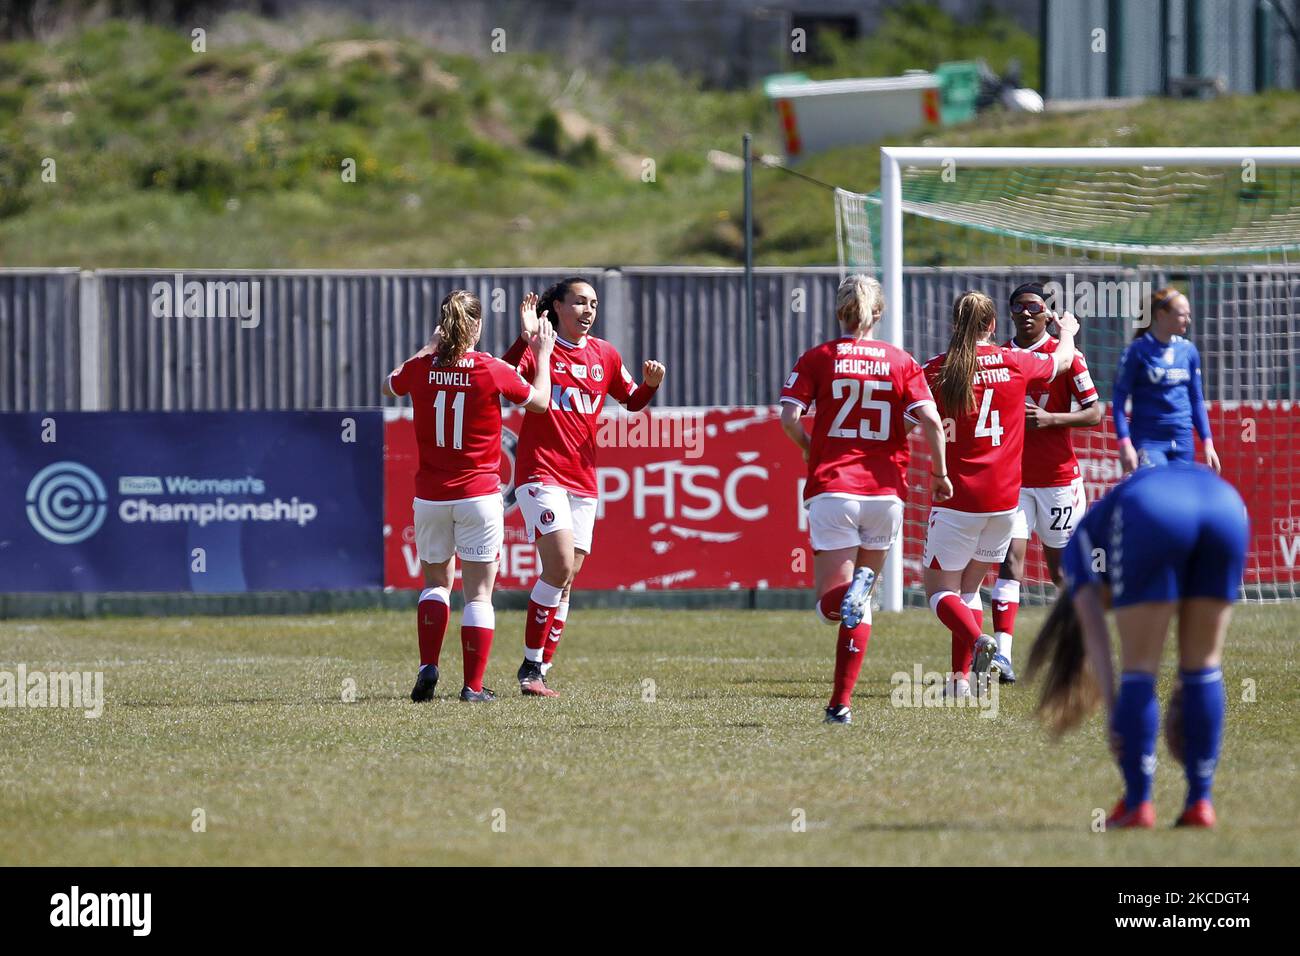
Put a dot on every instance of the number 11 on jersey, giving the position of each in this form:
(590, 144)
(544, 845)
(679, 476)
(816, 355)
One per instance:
(458, 416)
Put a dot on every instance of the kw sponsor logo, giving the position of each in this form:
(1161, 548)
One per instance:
(573, 399)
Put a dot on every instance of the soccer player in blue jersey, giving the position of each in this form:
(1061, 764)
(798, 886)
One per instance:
(1161, 371)
(1165, 541)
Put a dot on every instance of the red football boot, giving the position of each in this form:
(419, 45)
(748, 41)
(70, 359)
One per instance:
(536, 687)
(1199, 814)
(1141, 817)
(531, 681)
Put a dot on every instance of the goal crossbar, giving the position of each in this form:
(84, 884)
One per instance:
(1106, 156)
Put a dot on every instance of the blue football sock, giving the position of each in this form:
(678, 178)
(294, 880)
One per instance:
(1136, 720)
(1203, 706)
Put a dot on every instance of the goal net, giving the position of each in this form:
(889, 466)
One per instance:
(1108, 227)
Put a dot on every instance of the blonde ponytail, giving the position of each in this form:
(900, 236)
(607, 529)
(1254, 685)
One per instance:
(461, 313)
(856, 301)
(972, 315)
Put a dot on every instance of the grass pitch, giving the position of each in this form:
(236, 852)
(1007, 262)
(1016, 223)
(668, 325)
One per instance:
(244, 719)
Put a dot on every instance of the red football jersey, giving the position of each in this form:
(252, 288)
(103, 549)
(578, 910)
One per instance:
(984, 456)
(1049, 460)
(559, 448)
(860, 391)
(458, 422)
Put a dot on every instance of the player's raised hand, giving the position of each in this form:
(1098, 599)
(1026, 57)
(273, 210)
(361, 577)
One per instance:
(431, 346)
(542, 341)
(529, 322)
(652, 373)
(1066, 322)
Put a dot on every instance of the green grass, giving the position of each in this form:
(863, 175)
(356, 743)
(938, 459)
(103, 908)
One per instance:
(244, 718)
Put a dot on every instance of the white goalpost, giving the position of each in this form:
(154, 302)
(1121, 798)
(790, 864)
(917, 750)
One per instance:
(1108, 225)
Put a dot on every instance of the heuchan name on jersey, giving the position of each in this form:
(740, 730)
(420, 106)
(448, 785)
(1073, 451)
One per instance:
(865, 359)
(857, 366)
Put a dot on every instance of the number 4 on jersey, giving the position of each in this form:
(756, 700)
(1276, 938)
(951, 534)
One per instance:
(989, 423)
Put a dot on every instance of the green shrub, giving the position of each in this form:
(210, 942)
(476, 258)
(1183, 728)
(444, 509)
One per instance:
(585, 153)
(547, 135)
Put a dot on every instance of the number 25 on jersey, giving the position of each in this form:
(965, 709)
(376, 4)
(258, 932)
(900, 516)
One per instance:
(856, 393)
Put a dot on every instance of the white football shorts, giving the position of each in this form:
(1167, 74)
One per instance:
(836, 522)
(472, 529)
(955, 538)
(1051, 513)
(548, 508)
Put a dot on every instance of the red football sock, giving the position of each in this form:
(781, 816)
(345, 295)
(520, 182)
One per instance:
(542, 604)
(476, 630)
(431, 623)
(557, 629)
(1004, 616)
(850, 651)
(976, 605)
(957, 617)
(1006, 601)
(829, 603)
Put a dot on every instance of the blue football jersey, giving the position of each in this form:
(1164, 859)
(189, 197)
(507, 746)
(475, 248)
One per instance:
(1164, 381)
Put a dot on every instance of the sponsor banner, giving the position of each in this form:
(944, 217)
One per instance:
(711, 499)
(689, 499)
(191, 501)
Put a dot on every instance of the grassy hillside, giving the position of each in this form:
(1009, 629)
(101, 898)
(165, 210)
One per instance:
(120, 146)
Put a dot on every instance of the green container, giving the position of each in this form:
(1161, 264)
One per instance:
(782, 79)
(959, 85)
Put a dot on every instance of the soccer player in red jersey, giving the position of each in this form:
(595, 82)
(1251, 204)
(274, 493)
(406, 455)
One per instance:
(1052, 499)
(980, 388)
(458, 508)
(555, 461)
(865, 396)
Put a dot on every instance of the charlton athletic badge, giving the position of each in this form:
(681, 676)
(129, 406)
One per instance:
(548, 516)
(598, 372)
